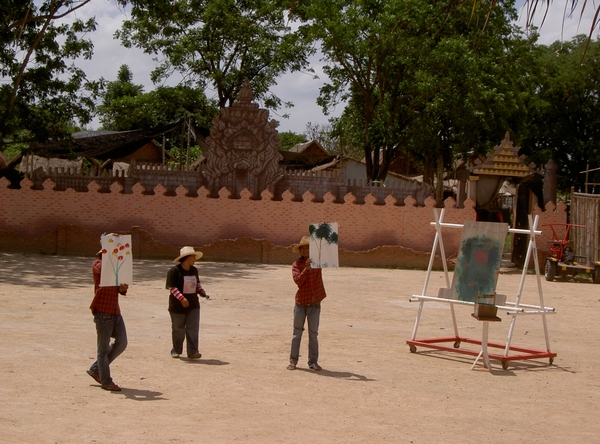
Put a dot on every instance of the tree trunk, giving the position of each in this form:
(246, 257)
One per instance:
(439, 188)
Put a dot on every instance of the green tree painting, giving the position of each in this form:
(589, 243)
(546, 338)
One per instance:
(324, 245)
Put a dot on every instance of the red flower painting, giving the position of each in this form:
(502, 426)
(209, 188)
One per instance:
(119, 253)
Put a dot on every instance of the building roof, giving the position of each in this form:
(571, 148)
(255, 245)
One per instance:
(335, 163)
(294, 160)
(100, 144)
(312, 147)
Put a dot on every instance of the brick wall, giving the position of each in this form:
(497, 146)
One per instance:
(554, 214)
(168, 222)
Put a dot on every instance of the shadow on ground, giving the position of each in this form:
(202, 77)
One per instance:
(76, 272)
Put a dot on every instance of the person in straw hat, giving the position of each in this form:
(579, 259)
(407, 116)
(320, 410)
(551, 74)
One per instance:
(184, 287)
(311, 292)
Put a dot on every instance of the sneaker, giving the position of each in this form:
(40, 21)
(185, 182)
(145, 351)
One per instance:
(174, 354)
(315, 366)
(195, 356)
(112, 387)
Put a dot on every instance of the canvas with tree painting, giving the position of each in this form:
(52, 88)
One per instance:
(323, 245)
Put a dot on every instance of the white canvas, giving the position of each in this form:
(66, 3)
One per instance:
(323, 247)
(117, 260)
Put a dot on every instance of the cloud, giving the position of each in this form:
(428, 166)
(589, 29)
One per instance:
(300, 88)
(557, 23)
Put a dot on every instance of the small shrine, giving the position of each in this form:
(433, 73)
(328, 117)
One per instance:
(486, 178)
(243, 148)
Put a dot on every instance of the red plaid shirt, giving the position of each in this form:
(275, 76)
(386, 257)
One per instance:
(106, 299)
(310, 283)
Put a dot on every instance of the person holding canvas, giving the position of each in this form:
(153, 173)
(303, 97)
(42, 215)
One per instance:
(311, 292)
(184, 287)
(109, 324)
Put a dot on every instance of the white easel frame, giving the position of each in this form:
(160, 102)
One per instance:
(514, 309)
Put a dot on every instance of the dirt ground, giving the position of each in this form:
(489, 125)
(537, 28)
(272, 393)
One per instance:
(371, 389)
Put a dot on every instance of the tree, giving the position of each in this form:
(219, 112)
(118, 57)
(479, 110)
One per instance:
(329, 139)
(44, 95)
(564, 122)
(410, 69)
(474, 87)
(290, 139)
(216, 44)
(125, 106)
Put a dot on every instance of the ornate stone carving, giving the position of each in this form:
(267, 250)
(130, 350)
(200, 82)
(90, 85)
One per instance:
(243, 148)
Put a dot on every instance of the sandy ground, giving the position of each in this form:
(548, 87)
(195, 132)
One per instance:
(372, 389)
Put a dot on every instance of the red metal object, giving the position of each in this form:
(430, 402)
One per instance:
(523, 353)
(563, 261)
(557, 247)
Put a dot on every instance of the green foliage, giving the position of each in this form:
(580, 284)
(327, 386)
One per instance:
(218, 43)
(290, 139)
(45, 93)
(184, 156)
(426, 73)
(126, 107)
(564, 118)
(13, 149)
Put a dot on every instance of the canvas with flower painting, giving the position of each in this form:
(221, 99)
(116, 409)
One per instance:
(117, 260)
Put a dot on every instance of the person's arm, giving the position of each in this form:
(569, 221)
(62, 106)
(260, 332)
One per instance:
(201, 290)
(96, 271)
(300, 273)
(180, 297)
(173, 283)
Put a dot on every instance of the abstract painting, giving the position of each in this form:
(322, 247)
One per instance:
(479, 258)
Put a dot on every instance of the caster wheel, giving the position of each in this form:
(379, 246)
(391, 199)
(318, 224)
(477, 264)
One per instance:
(504, 365)
(457, 344)
(413, 349)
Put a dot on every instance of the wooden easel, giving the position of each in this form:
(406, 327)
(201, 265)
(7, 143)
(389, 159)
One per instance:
(514, 309)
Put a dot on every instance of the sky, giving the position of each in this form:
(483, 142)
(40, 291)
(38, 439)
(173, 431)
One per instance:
(302, 89)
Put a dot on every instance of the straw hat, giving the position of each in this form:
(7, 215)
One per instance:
(187, 251)
(304, 241)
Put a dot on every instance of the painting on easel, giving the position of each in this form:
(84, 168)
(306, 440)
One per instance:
(479, 259)
(323, 245)
(117, 261)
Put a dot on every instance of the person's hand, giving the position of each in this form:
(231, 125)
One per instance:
(308, 263)
(206, 296)
(123, 288)
(185, 302)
